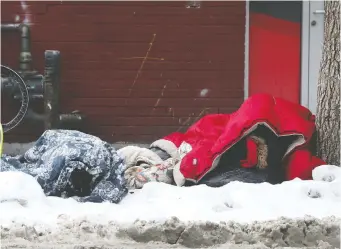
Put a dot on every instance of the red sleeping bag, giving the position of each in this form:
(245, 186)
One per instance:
(206, 140)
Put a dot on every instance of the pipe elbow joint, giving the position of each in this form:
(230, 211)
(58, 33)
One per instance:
(24, 29)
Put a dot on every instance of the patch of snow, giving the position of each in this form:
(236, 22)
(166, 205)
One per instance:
(20, 186)
(327, 173)
(203, 92)
(190, 216)
(240, 202)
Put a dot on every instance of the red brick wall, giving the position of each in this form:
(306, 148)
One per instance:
(195, 62)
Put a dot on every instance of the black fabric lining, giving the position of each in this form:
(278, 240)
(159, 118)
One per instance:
(259, 123)
(160, 152)
(229, 169)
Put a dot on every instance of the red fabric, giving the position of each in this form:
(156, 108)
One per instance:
(214, 134)
(176, 138)
(301, 157)
(275, 57)
(252, 158)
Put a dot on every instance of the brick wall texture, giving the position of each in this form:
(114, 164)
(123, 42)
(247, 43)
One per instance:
(137, 70)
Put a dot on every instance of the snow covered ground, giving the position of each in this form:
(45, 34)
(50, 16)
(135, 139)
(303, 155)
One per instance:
(193, 216)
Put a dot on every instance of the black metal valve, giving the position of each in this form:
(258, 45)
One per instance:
(44, 87)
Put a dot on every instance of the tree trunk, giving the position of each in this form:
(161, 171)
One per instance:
(328, 89)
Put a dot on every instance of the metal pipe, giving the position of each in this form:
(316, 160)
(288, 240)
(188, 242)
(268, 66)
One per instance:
(71, 121)
(25, 57)
(10, 27)
(51, 88)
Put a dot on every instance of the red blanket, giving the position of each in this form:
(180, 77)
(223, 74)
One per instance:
(202, 145)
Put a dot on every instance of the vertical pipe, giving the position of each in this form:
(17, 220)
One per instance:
(25, 57)
(51, 88)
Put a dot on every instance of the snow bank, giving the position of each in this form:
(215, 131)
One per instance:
(241, 202)
(281, 232)
(201, 215)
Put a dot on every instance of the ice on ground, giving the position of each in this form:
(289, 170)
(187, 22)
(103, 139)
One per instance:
(307, 232)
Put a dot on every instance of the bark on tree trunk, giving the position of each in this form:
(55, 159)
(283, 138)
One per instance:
(328, 89)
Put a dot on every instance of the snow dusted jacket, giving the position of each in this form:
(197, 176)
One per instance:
(202, 145)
